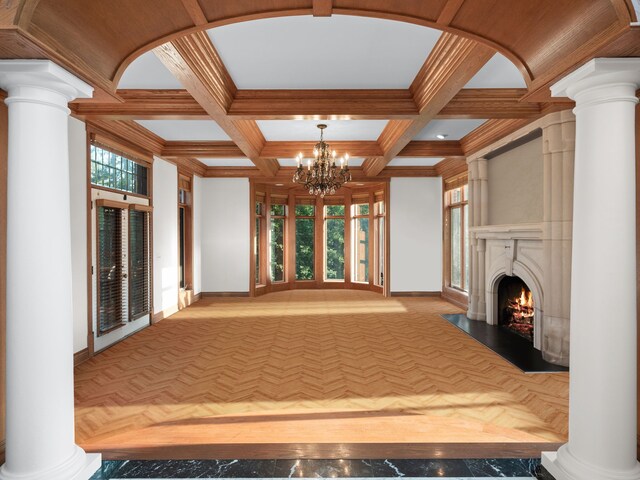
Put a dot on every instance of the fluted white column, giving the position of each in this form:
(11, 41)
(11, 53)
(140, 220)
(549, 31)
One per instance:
(40, 419)
(602, 403)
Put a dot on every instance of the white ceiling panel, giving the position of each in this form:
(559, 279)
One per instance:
(227, 162)
(453, 129)
(307, 130)
(498, 72)
(186, 130)
(147, 71)
(291, 162)
(415, 161)
(308, 52)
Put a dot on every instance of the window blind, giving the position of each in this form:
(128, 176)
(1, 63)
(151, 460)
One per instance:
(110, 271)
(139, 260)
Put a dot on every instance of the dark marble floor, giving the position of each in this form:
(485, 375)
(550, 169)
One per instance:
(370, 469)
(513, 348)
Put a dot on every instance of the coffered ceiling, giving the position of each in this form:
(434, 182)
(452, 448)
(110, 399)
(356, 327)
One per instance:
(233, 88)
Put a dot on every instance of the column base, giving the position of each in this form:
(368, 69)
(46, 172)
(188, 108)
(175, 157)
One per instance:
(567, 467)
(81, 466)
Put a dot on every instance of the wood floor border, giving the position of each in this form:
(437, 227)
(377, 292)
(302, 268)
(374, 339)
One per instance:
(328, 451)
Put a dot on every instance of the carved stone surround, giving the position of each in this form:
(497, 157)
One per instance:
(538, 253)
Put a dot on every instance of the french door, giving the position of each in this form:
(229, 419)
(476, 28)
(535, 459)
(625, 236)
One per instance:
(121, 269)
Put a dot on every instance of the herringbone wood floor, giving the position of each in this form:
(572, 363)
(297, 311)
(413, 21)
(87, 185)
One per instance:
(311, 367)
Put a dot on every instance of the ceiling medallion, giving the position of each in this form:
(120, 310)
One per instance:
(323, 176)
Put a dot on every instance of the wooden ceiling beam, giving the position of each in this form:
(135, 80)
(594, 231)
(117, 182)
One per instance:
(489, 132)
(311, 105)
(451, 167)
(489, 103)
(449, 11)
(322, 8)
(285, 174)
(323, 104)
(432, 148)
(144, 105)
(201, 149)
(291, 149)
(193, 60)
(359, 149)
(451, 64)
(195, 11)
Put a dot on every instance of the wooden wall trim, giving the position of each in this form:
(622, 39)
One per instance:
(166, 313)
(224, 294)
(456, 297)
(81, 356)
(417, 294)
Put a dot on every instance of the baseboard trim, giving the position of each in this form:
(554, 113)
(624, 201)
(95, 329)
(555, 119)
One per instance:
(416, 294)
(324, 451)
(164, 314)
(224, 294)
(458, 299)
(80, 357)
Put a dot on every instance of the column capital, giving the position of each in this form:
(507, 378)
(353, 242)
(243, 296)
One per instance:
(601, 79)
(26, 80)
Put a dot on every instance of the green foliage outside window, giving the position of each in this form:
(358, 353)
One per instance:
(114, 171)
(277, 249)
(335, 248)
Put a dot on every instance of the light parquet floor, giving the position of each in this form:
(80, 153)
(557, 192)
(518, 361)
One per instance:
(314, 366)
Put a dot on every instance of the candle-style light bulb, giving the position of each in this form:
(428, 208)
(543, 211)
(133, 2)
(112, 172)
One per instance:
(309, 164)
(346, 158)
(315, 152)
(341, 163)
(298, 158)
(334, 154)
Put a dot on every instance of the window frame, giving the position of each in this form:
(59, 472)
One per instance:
(451, 204)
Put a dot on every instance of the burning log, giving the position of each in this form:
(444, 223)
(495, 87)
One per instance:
(518, 314)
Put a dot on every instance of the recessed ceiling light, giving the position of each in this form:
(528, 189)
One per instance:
(441, 136)
(279, 184)
(359, 184)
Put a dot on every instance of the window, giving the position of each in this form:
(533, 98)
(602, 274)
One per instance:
(256, 240)
(379, 233)
(276, 242)
(305, 235)
(334, 242)
(457, 213)
(360, 242)
(185, 232)
(117, 172)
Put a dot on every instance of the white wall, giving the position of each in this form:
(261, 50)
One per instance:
(196, 212)
(225, 234)
(416, 234)
(78, 187)
(165, 236)
(515, 185)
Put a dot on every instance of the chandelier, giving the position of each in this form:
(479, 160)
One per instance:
(322, 176)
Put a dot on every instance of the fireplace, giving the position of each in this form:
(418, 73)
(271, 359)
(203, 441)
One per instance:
(515, 307)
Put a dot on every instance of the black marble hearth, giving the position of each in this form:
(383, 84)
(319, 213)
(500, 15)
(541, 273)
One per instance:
(472, 469)
(513, 348)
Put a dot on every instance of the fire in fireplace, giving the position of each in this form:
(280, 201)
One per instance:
(515, 307)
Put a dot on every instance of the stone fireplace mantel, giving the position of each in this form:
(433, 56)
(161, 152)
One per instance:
(538, 253)
(513, 250)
